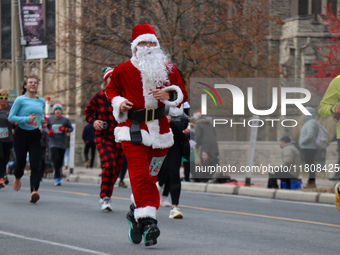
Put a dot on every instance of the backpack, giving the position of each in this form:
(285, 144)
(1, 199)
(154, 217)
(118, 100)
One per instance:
(321, 140)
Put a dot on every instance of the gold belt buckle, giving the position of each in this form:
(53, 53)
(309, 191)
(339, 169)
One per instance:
(147, 114)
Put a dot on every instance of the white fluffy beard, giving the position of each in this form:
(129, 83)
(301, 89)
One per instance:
(153, 65)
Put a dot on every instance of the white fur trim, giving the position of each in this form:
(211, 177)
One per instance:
(145, 38)
(176, 111)
(179, 98)
(157, 141)
(145, 212)
(123, 134)
(116, 102)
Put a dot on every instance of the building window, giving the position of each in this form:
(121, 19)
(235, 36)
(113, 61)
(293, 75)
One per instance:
(334, 4)
(6, 28)
(303, 7)
(316, 7)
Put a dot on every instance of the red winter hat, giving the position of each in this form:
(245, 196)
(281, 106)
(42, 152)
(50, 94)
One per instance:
(143, 32)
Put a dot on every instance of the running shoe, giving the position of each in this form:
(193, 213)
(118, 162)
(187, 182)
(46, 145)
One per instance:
(165, 202)
(150, 233)
(34, 197)
(6, 179)
(88, 164)
(122, 184)
(57, 182)
(175, 213)
(135, 235)
(2, 183)
(337, 196)
(105, 204)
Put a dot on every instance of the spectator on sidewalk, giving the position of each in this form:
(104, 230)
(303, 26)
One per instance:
(57, 126)
(206, 141)
(291, 159)
(98, 113)
(308, 134)
(88, 137)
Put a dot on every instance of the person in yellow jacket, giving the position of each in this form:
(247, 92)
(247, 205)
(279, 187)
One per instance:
(330, 106)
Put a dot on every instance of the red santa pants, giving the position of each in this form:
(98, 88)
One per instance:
(143, 185)
(111, 157)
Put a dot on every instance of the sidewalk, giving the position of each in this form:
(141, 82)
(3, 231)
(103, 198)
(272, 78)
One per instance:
(324, 193)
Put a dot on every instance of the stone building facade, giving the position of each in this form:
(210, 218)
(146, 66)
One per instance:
(295, 43)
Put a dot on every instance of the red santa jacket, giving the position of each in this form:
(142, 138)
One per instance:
(126, 84)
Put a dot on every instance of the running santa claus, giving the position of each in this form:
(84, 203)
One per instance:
(139, 90)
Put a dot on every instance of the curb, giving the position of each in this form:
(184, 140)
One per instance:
(279, 194)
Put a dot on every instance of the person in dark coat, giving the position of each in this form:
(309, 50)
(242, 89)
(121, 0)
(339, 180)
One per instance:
(88, 137)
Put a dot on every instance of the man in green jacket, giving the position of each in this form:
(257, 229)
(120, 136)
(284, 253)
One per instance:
(330, 106)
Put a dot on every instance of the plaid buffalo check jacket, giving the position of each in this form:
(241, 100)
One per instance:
(99, 108)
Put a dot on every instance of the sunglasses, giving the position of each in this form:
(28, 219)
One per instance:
(3, 97)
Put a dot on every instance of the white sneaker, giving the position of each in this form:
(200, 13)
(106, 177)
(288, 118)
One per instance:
(175, 213)
(105, 204)
(165, 202)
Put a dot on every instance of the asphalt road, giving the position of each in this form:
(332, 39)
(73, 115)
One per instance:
(68, 220)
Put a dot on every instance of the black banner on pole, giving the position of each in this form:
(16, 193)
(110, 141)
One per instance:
(34, 31)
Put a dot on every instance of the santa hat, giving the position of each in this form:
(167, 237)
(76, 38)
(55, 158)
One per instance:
(107, 71)
(57, 106)
(143, 33)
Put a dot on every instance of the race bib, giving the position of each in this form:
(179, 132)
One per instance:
(35, 122)
(55, 128)
(155, 165)
(3, 132)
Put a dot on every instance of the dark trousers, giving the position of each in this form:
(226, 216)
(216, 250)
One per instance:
(169, 174)
(309, 157)
(28, 141)
(42, 161)
(123, 169)
(57, 155)
(5, 152)
(90, 146)
(186, 165)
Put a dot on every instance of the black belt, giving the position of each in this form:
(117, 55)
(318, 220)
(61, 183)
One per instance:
(146, 115)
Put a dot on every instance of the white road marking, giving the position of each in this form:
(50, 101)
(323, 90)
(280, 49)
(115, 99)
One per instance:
(54, 243)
